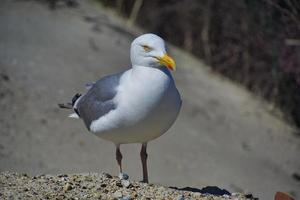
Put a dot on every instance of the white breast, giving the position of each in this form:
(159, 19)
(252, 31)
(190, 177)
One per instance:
(147, 105)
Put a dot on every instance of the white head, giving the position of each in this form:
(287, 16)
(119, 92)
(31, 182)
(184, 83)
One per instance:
(149, 50)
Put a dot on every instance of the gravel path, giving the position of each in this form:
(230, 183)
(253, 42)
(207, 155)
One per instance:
(223, 137)
(94, 186)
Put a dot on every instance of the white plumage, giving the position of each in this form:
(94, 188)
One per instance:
(135, 106)
(144, 111)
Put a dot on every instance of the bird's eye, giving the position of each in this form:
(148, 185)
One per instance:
(147, 48)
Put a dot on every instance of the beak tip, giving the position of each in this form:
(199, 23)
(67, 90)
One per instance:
(167, 61)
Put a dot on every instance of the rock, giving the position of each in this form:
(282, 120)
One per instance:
(283, 196)
(62, 175)
(117, 194)
(126, 198)
(197, 195)
(180, 197)
(68, 187)
(107, 175)
(123, 176)
(97, 195)
(119, 184)
(88, 178)
(84, 187)
(249, 195)
(125, 183)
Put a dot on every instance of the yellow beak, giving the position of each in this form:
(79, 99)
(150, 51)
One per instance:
(167, 61)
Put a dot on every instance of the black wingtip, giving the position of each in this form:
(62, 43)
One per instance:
(74, 99)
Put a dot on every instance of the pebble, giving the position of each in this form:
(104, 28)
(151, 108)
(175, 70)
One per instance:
(180, 197)
(62, 175)
(234, 194)
(119, 184)
(125, 198)
(107, 175)
(197, 195)
(125, 183)
(97, 195)
(84, 187)
(123, 176)
(118, 194)
(88, 178)
(249, 195)
(68, 187)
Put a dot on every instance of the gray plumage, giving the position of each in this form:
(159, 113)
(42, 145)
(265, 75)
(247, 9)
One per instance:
(99, 99)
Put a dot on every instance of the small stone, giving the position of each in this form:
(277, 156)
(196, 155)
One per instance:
(67, 187)
(119, 184)
(84, 187)
(62, 175)
(180, 197)
(103, 185)
(123, 176)
(249, 195)
(97, 195)
(197, 195)
(61, 196)
(105, 191)
(106, 175)
(118, 194)
(88, 178)
(161, 189)
(125, 198)
(125, 183)
(234, 194)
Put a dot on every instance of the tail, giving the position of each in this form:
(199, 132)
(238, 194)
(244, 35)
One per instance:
(65, 105)
(71, 106)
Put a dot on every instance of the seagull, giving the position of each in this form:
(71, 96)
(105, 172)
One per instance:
(133, 106)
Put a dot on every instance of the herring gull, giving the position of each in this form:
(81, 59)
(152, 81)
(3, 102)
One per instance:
(134, 106)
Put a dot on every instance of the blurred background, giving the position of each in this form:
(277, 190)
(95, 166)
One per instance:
(238, 74)
(254, 42)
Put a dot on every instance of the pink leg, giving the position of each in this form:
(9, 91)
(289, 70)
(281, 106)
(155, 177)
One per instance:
(119, 157)
(144, 156)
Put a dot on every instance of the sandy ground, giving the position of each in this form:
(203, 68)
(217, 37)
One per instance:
(99, 186)
(224, 136)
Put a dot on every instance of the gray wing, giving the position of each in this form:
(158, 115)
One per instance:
(98, 100)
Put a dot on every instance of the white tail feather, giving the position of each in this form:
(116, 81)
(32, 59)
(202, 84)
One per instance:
(74, 115)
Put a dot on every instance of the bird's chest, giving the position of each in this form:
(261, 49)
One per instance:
(143, 95)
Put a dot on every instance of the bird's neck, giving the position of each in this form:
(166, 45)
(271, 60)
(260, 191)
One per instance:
(143, 71)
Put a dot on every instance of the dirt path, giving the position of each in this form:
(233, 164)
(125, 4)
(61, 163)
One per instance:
(224, 136)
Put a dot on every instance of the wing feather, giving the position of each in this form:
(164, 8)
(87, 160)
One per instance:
(98, 100)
